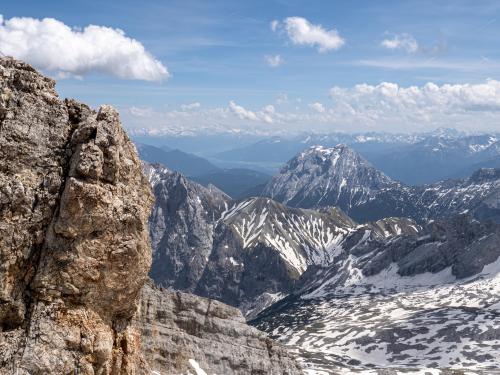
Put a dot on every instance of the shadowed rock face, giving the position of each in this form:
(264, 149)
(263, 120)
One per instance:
(75, 252)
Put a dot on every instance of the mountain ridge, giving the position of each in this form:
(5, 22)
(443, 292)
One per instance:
(339, 176)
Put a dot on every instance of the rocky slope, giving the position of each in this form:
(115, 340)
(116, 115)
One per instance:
(181, 227)
(75, 252)
(185, 334)
(418, 301)
(320, 177)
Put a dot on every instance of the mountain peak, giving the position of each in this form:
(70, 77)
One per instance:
(339, 149)
(321, 176)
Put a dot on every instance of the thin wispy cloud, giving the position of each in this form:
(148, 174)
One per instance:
(302, 32)
(190, 106)
(274, 60)
(469, 65)
(53, 46)
(403, 41)
(274, 25)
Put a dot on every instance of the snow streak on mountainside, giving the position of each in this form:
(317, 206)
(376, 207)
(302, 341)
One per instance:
(415, 301)
(338, 176)
(301, 237)
(248, 253)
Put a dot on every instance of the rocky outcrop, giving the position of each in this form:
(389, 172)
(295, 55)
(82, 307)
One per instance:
(181, 332)
(74, 244)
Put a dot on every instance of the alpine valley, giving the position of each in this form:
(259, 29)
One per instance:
(349, 268)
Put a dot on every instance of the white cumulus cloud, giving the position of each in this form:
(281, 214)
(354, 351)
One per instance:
(265, 115)
(401, 41)
(241, 112)
(302, 32)
(51, 45)
(318, 107)
(446, 105)
(274, 60)
(269, 109)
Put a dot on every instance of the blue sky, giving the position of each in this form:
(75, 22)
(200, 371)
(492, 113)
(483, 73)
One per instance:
(216, 54)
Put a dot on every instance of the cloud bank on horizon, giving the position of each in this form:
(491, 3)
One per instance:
(360, 108)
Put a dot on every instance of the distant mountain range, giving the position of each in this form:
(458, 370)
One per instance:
(413, 159)
(236, 182)
(200, 235)
(176, 160)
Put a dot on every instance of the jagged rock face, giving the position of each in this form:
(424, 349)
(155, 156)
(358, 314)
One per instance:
(338, 176)
(74, 243)
(320, 177)
(183, 333)
(181, 227)
(34, 131)
(425, 300)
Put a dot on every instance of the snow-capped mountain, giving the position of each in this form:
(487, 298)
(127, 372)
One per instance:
(338, 176)
(427, 300)
(320, 176)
